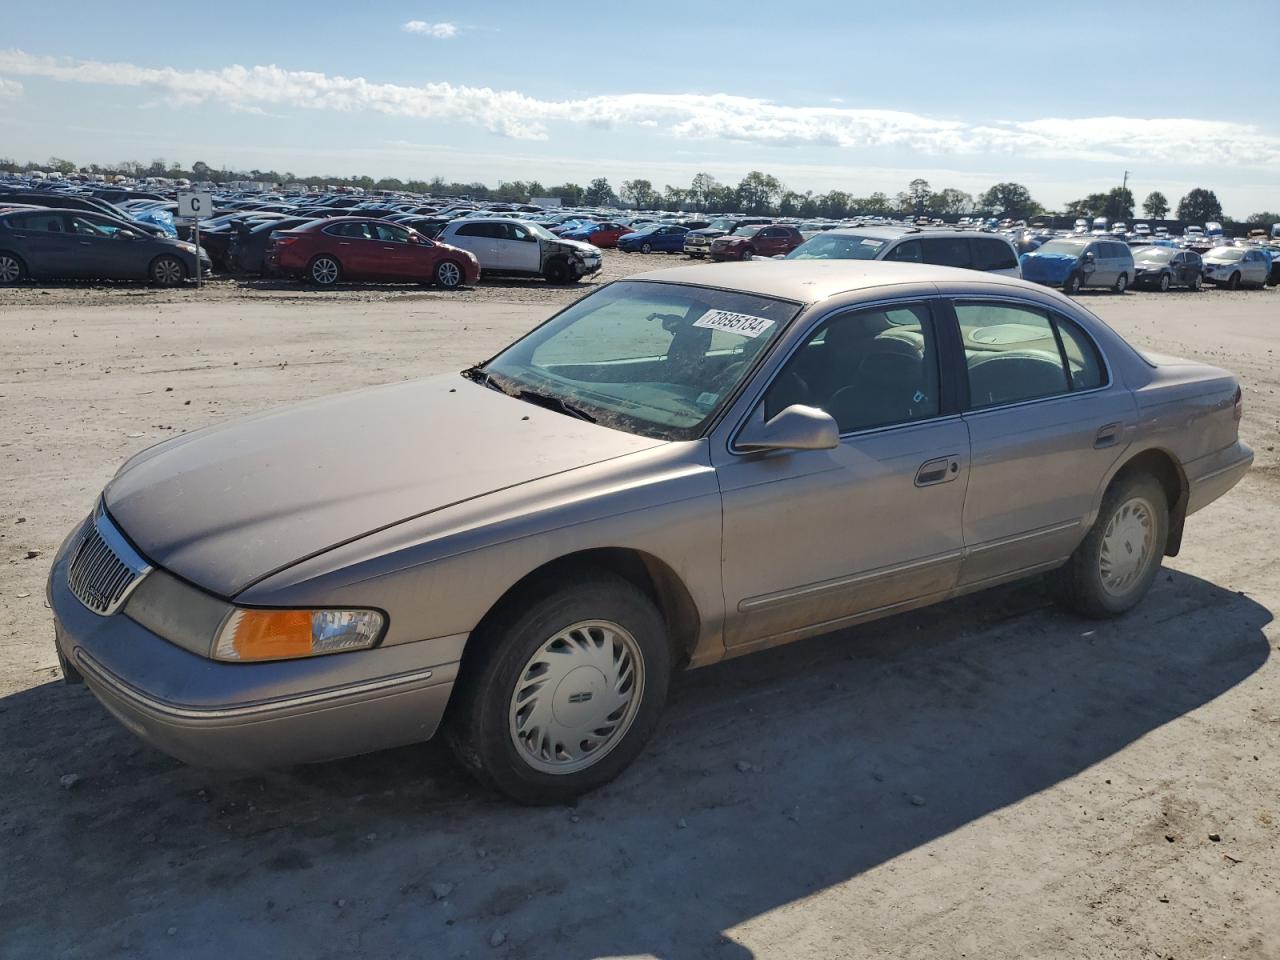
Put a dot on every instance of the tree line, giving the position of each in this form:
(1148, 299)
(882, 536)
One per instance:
(756, 193)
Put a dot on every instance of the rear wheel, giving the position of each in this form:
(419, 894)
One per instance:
(564, 688)
(1072, 284)
(167, 271)
(449, 275)
(12, 269)
(1121, 284)
(1114, 566)
(324, 271)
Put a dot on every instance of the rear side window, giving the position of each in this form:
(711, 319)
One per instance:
(908, 251)
(993, 255)
(48, 221)
(476, 230)
(1015, 353)
(947, 251)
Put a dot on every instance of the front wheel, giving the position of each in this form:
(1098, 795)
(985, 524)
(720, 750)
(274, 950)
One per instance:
(1115, 564)
(1197, 283)
(558, 271)
(449, 275)
(1072, 285)
(646, 248)
(167, 271)
(1164, 283)
(1234, 282)
(1121, 284)
(563, 689)
(748, 253)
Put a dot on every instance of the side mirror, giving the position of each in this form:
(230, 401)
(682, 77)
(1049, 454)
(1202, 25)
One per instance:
(798, 427)
(126, 235)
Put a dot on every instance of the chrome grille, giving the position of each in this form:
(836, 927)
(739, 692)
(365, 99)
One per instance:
(104, 569)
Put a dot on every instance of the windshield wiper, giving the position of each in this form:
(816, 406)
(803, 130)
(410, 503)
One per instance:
(485, 379)
(552, 402)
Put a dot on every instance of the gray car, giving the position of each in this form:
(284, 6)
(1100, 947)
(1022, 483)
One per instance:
(678, 468)
(1235, 267)
(943, 248)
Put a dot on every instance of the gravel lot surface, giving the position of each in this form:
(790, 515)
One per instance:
(984, 779)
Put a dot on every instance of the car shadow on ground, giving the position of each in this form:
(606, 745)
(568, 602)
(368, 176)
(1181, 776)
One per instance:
(772, 778)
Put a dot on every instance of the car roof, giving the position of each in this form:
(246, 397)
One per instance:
(915, 233)
(811, 281)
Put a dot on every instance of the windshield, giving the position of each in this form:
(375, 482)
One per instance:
(1155, 254)
(838, 246)
(539, 231)
(1062, 247)
(721, 225)
(656, 359)
(1226, 253)
(746, 231)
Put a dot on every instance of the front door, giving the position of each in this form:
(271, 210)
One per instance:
(1046, 426)
(520, 249)
(813, 539)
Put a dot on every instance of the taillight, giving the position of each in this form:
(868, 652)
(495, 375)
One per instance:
(1239, 404)
(283, 241)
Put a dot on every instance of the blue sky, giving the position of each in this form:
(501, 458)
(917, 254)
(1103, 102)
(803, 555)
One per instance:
(853, 96)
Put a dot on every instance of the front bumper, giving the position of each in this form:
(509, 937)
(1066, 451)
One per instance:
(249, 716)
(586, 266)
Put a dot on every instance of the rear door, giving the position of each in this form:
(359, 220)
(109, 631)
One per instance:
(47, 242)
(478, 238)
(1046, 422)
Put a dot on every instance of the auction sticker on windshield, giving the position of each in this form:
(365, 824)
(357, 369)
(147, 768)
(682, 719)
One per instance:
(743, 324)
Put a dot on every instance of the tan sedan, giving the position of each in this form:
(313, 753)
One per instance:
(680, 467)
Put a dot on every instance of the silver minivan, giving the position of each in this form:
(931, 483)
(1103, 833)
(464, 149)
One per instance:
(943, 248)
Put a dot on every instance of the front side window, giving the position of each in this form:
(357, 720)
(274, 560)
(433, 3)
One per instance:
(867, 369)
(390, 234)
(1016, 353)
(906, 252)
(657, 359)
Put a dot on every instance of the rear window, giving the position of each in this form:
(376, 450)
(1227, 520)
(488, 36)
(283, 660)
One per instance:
(947, 251)
(993, 255)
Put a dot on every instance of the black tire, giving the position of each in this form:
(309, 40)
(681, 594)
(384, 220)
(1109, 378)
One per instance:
(646, 247)
(12, 269)
(1080, 586)
(324, 270)
(479, 727)
(1121, 284)
(747, 253)
(1072, 284)
(449, 275)
(1165, 281)
(1234, 282)
(1197, 283)
(558, 271)
(167, 271)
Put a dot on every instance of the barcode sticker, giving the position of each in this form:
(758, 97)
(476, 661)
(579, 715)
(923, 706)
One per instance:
(743, 324)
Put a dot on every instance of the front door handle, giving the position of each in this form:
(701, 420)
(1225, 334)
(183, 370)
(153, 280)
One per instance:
(941, 470)
(1107, 436)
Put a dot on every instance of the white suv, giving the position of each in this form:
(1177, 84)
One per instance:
(503, 245)
(946, 248)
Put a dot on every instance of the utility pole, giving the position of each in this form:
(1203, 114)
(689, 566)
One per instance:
(1125, 184)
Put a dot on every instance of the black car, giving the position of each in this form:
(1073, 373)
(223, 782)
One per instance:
(247, 251)
(1164, 267)
(71, 243)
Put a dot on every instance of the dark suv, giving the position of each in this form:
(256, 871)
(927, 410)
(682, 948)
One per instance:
(774, 240)
(697, 243)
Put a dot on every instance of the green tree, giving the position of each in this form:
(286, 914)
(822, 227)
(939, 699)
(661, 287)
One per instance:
(639, 193)
(1091, 206)
(599, 193)
(917, 196)
(1156, 206)
(759, 192)
(570, 194)
(61, 166)
(1011, 200)
(702, 190)
(1119, 205)
(1264, 219)
(950, 201)
(789, 205)
(673, 198)
(834, 204)
(1199, 206)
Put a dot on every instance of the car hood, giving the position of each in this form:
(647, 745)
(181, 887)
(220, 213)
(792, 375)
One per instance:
(709, 232)
(1037, 264)
(226, 506)
(576, 245)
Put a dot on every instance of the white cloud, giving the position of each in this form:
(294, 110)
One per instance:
(10, 89)
(695, 117)
(441, 31)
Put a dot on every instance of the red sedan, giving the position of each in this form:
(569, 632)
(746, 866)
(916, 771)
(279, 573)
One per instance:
(359, 248)
(606, 234)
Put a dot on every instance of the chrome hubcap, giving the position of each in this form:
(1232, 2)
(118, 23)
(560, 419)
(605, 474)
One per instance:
(324, 271)
(168, 271)
(449, 275)
(8, 269)
(1127, 546)
(577, 697)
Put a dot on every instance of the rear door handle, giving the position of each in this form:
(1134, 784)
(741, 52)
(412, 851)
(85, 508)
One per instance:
(1107, 436)
(941, 470)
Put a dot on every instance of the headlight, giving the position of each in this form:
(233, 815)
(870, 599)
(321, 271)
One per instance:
(284, 634)
(189, 247)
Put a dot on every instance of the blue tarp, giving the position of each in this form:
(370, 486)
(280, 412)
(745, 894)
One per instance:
(161, 218)
(1047, 267)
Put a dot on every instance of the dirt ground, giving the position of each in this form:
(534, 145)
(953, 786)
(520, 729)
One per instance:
(985, 779)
